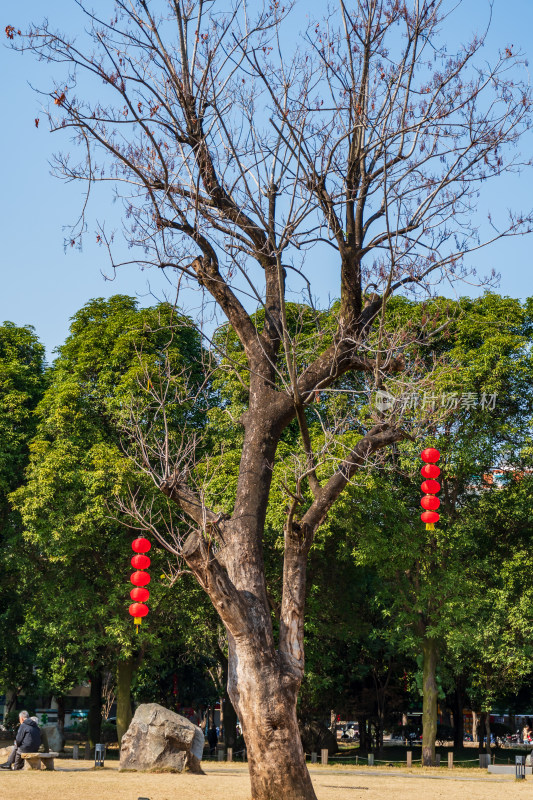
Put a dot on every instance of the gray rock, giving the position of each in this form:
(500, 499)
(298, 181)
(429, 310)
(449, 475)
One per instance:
(161, 739)
(52, 738)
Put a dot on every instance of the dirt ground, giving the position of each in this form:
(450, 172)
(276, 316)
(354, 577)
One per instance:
(74, 780)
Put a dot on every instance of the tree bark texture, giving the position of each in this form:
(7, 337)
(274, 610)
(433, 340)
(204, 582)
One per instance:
(265, 700)
(95, 709)
(429, 706)
(125, 671)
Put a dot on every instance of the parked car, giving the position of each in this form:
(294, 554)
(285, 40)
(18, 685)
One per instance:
(78, 714)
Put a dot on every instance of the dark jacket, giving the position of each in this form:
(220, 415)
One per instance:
(28, 736)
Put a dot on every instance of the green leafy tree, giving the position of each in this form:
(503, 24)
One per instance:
(494, 644)
(483, 354)
(77, 615)
(22, 382)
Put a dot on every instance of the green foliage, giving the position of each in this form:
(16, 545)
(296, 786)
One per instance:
(76, 615)
(22, 382)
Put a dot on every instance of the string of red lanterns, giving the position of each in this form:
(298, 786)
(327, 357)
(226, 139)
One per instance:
(140, 579)
(430, 487)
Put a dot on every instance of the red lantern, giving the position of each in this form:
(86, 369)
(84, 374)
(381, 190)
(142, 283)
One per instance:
(430, 487)
(429, 502)
(430, 471)
(140, 578)
(140, 562)
(140, 545)
(138, 610)
(429, 517)
(139, 594)
(430, 455)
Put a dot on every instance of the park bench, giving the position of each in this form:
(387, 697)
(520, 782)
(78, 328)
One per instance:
(34, 760)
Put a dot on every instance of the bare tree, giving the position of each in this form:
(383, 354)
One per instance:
(245, 172)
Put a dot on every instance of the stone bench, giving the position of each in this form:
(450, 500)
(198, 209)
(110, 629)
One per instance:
(34, 760)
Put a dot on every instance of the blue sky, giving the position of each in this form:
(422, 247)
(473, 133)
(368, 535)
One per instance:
(43, 285)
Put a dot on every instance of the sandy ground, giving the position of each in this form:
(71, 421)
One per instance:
(73, 780)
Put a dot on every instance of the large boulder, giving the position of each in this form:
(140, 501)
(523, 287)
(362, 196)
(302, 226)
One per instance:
(159, 739)
(52, 738)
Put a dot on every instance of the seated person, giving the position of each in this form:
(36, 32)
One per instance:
(27, 740)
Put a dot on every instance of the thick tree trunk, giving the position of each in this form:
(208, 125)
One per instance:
(95, 709)
(265, 701)
(125, 671)
(429, 707)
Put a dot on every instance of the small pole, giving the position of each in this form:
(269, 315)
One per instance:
(324, 755)
(450, 759)
(409, 758)
(437, 759)
(371, 759)
(75, 751)
(230, 753)
(313, 758)
(356, 761)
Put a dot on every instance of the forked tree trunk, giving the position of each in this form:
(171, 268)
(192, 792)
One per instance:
(266, 705)
(429, 707)
(264, 676)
